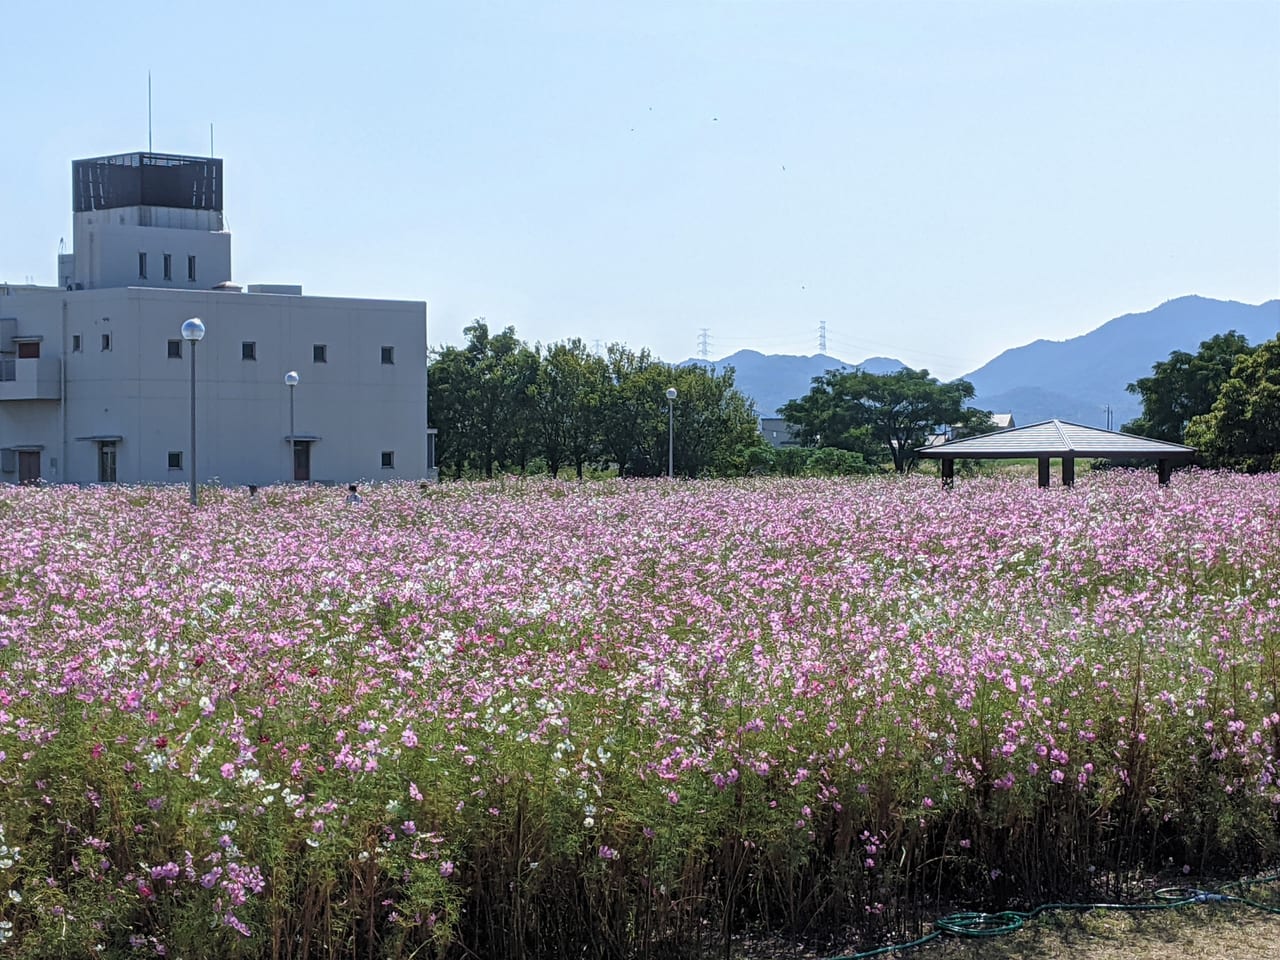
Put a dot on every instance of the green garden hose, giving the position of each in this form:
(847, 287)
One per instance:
(981, 925)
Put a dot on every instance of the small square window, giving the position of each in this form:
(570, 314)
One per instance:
(319, 353)
(168, 266)
(142, 266)
(29, 350)
(75, 343)
(106, 341)
(175, 349)
(191, 267)
(175, 459)
(388, 459)
(388, 354)
(249, 350)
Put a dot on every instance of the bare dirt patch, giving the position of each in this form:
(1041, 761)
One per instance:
(1212, 932)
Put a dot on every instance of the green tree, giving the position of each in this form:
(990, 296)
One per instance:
(449, 385)
(1242, 428)
(567, 395)
(516, 373)
(882, 416)
(478, 397)
(758, 460)
(715, 424)
(591, 374)
(1184, 386)
(834, 462)
(792, 461)
(634, 410)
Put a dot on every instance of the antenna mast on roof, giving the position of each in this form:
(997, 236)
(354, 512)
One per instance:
(211, 138)
(148, 111)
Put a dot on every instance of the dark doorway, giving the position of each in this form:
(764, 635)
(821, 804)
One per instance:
(301, 460)
(107, 461)
(28, 466)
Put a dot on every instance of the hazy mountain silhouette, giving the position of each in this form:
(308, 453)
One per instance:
(1068, 379)
(773, 379)
(1075, 379)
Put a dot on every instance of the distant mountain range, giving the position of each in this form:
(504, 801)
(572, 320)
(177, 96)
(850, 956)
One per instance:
(771, 380)
(1072, 379)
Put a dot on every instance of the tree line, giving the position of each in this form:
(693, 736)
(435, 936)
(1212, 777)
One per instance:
(501, 405)
(1224, 400)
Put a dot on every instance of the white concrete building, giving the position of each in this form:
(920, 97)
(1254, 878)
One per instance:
(95, 378)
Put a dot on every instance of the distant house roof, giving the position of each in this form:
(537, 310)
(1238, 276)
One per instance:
(1003, 421)
(1057, 438)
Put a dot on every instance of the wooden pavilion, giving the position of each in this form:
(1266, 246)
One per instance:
(1058, 438)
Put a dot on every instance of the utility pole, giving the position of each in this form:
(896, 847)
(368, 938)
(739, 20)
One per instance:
(704, 343)
(1107, 408)
(822, 336)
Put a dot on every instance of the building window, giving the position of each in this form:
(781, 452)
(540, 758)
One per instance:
(75, 343)
(106, 341)
(175, 349)
(388, 459)
(191, 267)
(168, 266)
(249, 350)
(388, 354)
(175, 459)
(142, 266)
(319, 353)
(28, 349)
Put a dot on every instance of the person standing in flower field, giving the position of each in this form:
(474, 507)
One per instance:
(352, 495)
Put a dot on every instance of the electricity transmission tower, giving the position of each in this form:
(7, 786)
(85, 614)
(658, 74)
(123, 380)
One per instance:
(704, 343)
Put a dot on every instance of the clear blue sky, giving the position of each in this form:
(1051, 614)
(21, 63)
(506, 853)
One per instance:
(936, 181)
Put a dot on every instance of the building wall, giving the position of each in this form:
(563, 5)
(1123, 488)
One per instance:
(778, 432)
(107, 244)
(357, 405)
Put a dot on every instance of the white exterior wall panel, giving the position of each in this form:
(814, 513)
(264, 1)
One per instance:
(357, 405)
(107, 244)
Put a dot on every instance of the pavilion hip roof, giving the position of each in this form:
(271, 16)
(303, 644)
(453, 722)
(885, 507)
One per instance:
(1057, 438)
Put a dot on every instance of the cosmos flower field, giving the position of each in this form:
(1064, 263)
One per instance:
(534, 719)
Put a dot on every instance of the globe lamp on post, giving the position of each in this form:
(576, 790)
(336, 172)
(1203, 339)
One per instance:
(671, 432)
(193, 333)
(291, 381)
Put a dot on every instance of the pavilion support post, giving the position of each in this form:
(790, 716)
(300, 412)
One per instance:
(948, 473)
(1044, 471)
(1068, 471)
(1163, 471)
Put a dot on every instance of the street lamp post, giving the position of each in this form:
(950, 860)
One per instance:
(291, 381)
(193, 333)
(671, 433)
